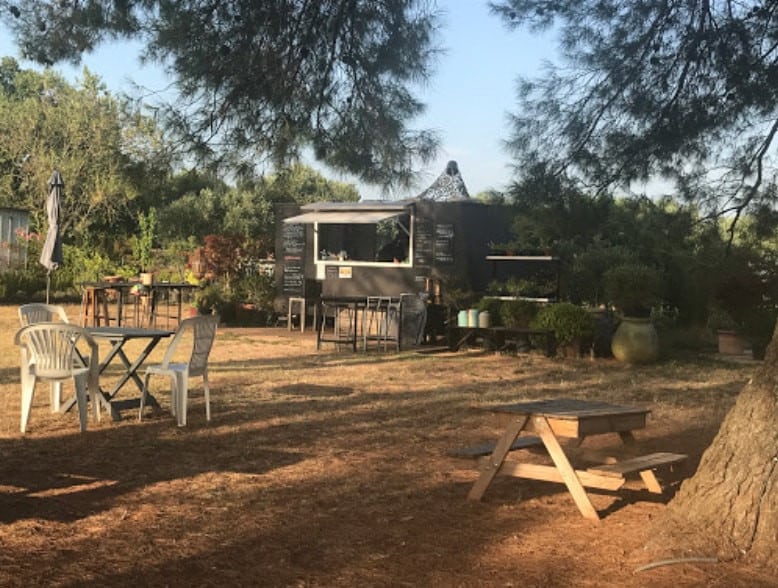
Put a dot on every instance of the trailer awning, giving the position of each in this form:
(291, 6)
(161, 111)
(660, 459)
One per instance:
(344, 217)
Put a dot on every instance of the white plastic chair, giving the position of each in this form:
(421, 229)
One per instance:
(30, 314)
(49, 353)
(203, 332)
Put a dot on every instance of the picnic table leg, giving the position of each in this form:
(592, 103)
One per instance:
(489, 471)
(566, 470)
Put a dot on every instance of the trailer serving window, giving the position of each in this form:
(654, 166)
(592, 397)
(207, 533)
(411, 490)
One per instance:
(364, 237)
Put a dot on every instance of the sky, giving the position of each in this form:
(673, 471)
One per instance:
(468, 98)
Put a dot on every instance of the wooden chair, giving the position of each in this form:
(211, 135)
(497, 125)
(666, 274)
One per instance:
(203, 331)
(49, 353)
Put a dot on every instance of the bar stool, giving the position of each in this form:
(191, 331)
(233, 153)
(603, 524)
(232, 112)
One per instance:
(380, 322)
(301, 302)
(338, 324)
(94, 307)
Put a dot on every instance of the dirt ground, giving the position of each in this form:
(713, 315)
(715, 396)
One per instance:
(331, 469)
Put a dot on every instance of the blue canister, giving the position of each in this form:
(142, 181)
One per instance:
(462, 318)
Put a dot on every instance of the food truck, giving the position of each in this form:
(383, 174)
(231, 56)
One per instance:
(437, 240)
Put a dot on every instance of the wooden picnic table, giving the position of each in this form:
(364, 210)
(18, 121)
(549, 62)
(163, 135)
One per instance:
(563, 418)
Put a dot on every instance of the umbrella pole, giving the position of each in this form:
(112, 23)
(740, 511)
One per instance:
(48, 285)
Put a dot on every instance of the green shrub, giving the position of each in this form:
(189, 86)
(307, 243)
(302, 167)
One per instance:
(22, 285)
(569, 322)
(210, 300)
(518, 313)
(258, 289)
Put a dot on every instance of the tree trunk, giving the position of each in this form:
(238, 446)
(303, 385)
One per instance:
(729, 508)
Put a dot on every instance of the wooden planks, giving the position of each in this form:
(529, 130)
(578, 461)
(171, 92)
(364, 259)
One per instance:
(637, 464)
(487, 448)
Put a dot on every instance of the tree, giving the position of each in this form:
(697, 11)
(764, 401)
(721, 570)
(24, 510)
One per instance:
(270, 77)
(82, 131)
(684, 89)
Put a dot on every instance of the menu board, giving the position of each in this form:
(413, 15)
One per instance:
(423, 242)
(293, 236)
(444, 243)
(293, 256)
(293, 276)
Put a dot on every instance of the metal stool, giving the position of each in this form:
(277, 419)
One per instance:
(380, 322)
(341, 318)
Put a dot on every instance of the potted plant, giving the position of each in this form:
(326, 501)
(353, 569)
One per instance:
(573, 327)
(143, 243)
(727, 331)
(634, 288)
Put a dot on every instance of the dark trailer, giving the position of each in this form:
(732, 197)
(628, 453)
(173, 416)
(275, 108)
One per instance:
(387, 248)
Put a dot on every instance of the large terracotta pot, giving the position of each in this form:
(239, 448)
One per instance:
(730, 343)
(635, 341)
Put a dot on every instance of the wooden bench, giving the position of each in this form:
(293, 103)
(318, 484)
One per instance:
(487, 448)
(495, 337)
(644, 465)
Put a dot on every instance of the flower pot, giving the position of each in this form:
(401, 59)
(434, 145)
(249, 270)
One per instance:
(730, 343)
(146, 278)
(635, 341)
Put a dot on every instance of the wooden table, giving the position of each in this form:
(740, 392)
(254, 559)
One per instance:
(572, 419)
(148, 306)
(119, 337)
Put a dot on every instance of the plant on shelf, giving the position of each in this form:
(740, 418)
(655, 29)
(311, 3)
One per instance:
(143, 243)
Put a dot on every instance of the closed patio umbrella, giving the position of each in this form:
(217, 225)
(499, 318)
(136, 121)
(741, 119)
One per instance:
(51, 255)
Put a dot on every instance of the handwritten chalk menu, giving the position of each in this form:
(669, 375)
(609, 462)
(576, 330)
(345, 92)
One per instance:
(293, 237)
(293, 251)
(444, 243)
(293, 277)
(423, 242)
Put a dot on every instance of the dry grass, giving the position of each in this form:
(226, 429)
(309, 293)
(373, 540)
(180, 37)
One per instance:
(330, 469)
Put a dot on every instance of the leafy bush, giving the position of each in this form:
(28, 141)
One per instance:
(518, 313)
(569, 322)
(258, 289)
(22, 285)
(210, 300)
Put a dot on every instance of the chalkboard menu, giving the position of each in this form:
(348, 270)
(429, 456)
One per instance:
(444, 243)
(293, 252)
(293, 235)
(423, 242)
(293, 276)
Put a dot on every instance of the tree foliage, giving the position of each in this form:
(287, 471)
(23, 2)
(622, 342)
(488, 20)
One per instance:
(680, 89)
(48, 124)
(267, 77)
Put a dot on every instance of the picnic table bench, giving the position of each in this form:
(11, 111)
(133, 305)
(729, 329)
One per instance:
(574, 420)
